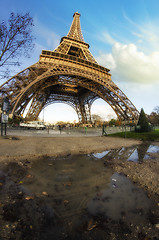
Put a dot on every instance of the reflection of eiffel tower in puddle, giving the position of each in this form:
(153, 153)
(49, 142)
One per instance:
(134, 153)
(69, 74)
(142, 150)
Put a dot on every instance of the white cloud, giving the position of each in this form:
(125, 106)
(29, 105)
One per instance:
(135, 66)
(130, 64)
(106, 60)
(107, 38)
(147, 31)
(139, 35)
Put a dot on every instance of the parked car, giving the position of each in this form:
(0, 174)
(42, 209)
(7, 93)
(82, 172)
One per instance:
(33, 125)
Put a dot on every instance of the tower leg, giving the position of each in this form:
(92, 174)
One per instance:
(83, 111)
(35, 108)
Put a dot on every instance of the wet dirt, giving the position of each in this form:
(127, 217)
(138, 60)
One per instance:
(78, 197)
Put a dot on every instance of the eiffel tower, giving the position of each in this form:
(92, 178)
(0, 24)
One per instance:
(69, 74)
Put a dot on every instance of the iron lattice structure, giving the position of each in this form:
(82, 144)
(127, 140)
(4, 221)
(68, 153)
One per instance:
(69, 74)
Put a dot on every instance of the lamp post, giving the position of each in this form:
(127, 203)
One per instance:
(4, 115)
(43, 115)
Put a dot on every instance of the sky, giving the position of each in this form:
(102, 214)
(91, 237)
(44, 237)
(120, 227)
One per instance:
(123, 36)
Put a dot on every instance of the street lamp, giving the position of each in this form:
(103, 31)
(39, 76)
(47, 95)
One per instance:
(5, 105)
(43, 115)
(4, 115)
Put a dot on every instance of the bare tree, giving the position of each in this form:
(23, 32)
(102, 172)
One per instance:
(97, 120)
(156, 109)
(16, 40)
(154, 116)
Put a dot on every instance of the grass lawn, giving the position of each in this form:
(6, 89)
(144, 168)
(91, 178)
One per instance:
(147, 136)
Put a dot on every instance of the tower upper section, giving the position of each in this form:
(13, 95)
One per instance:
(72, 47)
(75, 29)
(73, 44)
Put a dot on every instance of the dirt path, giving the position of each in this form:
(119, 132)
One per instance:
(22, 147)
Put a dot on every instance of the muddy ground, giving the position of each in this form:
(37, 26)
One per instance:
(21, 152)
(23, 148)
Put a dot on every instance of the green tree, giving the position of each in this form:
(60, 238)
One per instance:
(117, 123)
(112, 122)
(16, 40)
(143, 124)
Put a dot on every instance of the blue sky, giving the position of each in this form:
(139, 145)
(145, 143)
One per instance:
(123, 35)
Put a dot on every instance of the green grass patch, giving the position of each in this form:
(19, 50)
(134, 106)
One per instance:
(146, 136)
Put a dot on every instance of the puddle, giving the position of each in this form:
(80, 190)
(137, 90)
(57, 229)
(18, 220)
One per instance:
(73, 197)
(135, 153)
(153, 149)
(122, 199)
(100, 155)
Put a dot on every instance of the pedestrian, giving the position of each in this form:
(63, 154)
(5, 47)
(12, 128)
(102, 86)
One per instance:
(60, 128)
(85, 129)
